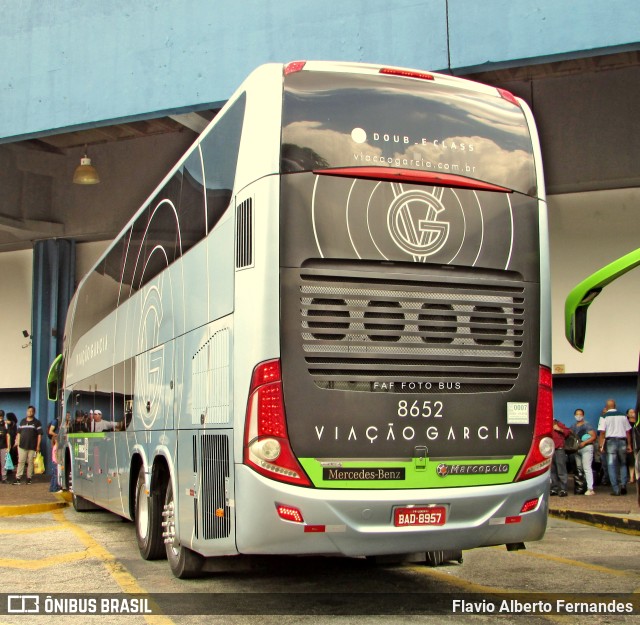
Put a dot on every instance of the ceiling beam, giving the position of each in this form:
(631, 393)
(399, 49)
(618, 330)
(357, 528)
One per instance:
(193, 121)
(33, 228)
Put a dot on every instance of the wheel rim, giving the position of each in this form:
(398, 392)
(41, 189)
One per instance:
(171, 541)
(142, 514)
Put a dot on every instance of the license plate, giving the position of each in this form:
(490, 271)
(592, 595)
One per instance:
(412, 517)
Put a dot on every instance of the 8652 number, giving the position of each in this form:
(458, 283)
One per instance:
(419, 408)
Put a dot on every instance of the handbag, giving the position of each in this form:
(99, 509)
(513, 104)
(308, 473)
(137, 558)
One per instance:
(571, 443)
(8, 462)
(38, 464)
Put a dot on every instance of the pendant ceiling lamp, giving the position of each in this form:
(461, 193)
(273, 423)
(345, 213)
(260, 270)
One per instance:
(85, 173)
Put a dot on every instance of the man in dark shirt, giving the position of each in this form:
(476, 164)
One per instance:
(28, 443)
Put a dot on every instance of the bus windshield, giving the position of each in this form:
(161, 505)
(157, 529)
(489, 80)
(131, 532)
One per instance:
(357, 120)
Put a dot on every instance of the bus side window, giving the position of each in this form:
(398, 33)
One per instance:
(162, 232)
(220, 151)
(193, 218)
(122, 395)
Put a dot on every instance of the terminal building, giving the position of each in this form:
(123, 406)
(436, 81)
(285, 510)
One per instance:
(130, 86)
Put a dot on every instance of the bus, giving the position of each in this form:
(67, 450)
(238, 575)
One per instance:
(326, 331)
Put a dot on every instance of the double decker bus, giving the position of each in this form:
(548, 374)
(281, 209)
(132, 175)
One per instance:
(326, 331)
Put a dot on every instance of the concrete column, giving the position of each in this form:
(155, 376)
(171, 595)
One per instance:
(53, 287)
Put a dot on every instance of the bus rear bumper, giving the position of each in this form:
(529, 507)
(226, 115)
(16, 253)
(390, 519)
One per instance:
(361, 522)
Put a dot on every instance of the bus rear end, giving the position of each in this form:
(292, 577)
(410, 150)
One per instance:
(410, 409)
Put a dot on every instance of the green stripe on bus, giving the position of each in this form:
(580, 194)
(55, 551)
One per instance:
(439, 473)
(87, 435)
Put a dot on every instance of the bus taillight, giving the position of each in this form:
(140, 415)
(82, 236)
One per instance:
(406, 73)
(293, 67)
(539, 458)
(508, 96)
(266, 443)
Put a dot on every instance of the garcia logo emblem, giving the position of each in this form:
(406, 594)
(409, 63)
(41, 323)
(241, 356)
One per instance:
(414, 225)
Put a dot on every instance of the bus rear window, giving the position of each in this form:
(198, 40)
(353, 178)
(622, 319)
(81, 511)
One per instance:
(349, 120)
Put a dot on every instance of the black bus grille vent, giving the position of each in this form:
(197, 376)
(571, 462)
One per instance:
(244, 234)
(459, 337)
(214, 511)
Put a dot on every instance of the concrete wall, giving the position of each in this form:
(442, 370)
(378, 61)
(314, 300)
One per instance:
(590, 393)
(499, 32)
(15, 311)
(588, 231)
(15, 316)
(75, 62)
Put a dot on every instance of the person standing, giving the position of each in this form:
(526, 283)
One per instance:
(559, 463)
(98, 424)
(632, 418)
(586, 435)
(615, 439)
(11, 422)
(52, 433)
(28, 444)
(5, 446)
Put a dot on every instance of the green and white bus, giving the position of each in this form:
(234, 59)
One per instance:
(326, 331)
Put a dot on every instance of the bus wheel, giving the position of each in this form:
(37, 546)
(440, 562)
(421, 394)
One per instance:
(148, 521)
(184, 562)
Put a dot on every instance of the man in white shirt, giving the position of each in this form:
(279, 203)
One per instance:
(98, 424)
(615, 435)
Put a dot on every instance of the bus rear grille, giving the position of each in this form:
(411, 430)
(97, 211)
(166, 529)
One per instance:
(454, 335)
(215, 516)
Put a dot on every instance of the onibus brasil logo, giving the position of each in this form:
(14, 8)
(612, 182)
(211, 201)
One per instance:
(413, 222)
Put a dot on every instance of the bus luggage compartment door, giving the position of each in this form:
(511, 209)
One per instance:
(206, 492)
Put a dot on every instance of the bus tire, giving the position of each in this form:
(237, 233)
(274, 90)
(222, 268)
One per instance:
(184, 563)
(148, 521)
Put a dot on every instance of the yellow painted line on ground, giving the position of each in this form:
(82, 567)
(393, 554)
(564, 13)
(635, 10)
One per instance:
(122, 577)
(585, 565)
(33, 530)
(43, 563)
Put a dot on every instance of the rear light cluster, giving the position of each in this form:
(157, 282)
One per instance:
(529, 505)
(508, 96)
(412, 176)
(539, 457)
(266, 443)
(289, 513)
(391, 71)
(293, 67)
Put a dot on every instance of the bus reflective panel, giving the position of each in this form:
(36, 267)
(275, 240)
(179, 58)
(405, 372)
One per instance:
(402, 304)
(214, 456)
(412, 517)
